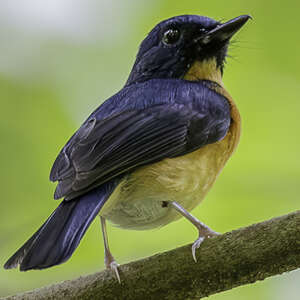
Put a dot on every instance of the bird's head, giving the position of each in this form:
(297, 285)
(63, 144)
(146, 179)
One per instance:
(188, 47)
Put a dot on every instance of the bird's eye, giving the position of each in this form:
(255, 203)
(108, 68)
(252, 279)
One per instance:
(171, 36)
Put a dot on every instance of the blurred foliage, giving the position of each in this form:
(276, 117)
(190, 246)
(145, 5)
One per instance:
(55, 85)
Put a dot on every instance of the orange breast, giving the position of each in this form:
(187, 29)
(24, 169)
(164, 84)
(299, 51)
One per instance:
(137, 201)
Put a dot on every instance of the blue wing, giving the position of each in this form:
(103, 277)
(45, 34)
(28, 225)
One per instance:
(142, 124)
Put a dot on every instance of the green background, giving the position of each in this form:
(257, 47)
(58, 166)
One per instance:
(51, 78)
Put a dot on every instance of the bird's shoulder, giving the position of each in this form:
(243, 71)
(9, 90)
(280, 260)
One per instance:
(139, 96)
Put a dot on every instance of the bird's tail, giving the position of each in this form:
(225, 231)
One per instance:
(60, 235)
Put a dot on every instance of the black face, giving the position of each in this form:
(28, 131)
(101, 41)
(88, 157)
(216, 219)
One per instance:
(174, 44)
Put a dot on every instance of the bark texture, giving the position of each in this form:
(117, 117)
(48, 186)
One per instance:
(232, 259)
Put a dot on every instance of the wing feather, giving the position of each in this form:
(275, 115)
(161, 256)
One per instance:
(112, 144)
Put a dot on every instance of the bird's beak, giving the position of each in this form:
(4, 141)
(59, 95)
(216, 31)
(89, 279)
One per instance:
(225, 31)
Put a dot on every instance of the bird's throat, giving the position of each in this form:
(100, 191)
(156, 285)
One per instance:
(204, 70)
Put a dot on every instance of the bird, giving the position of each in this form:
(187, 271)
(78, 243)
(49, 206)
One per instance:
(149, 154)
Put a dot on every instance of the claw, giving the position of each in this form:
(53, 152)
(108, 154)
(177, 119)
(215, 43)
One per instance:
(204, 231)
(210, 233)
(111, 264)
(108, 258)
(114, 267)
(196, 245)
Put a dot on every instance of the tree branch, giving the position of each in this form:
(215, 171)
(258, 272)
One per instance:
(240, 257)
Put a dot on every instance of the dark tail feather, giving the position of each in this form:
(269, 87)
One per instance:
(60, 235)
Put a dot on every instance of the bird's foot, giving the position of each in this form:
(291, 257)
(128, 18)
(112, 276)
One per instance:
(204, 231)
(114, 267)
(111, 264)
(203, 234)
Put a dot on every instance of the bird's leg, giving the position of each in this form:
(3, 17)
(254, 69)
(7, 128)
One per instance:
(204, 231)
(109, 259)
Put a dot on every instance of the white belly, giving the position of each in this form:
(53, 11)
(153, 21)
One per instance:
(137, 201)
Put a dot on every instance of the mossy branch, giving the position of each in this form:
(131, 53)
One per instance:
(240, 257)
